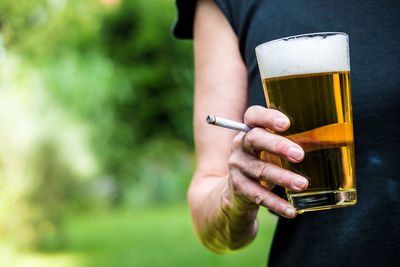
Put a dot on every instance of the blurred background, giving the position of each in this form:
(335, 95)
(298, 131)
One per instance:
(96, 148)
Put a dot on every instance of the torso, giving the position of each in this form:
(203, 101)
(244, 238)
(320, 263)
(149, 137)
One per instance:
(367, 233)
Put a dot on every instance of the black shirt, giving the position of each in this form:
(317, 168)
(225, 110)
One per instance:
(368, 233)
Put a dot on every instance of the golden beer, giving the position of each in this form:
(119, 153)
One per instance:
(319, 108)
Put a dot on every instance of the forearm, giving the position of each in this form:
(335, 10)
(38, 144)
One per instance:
(222, 222)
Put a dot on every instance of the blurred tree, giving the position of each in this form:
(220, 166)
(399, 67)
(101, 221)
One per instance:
(116, 71)
(157, 98)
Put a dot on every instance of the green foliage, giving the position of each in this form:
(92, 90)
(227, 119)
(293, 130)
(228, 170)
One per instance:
(43, 157)
(159, 70)
(134, 84)
(112, 91)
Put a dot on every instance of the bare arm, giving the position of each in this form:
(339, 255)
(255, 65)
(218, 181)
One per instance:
(225, 192)
(220, 89)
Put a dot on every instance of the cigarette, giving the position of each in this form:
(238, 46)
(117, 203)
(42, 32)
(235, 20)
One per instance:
(234, 125)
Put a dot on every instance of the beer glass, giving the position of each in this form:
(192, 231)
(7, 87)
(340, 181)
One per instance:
(307, 77)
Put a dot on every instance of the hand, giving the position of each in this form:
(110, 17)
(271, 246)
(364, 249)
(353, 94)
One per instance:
(247, 170)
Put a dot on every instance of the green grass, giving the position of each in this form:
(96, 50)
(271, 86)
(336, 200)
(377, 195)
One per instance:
(156, 236)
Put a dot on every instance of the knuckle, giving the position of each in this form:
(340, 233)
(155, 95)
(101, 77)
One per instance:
(284, 180)
(235, 182)
(253, 114)
(249, 113)
(237, 141)
(280, 146)
(233, 160)
(251, 136)
(258, 197)
(261, 170)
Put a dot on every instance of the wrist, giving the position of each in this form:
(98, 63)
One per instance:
(236, 205)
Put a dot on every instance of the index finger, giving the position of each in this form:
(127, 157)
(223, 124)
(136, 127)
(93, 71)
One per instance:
(258, 116)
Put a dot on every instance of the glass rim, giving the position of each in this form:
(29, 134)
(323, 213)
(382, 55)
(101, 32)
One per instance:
(304, 35)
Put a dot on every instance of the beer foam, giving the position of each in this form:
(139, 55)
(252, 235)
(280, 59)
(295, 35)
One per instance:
(295, 55)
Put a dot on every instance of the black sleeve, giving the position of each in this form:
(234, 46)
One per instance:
(183, 27)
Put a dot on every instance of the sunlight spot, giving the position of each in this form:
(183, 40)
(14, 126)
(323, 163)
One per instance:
(57, 4)
(110, 2)
(49, 260)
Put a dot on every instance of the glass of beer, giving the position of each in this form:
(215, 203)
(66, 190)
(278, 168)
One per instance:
(307, 77)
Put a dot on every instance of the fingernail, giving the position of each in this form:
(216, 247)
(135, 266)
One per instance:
(281, 122)
(300, 183)
(295, 153)
(290, 212)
